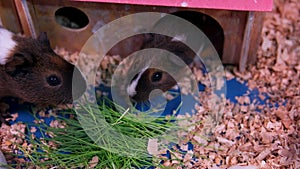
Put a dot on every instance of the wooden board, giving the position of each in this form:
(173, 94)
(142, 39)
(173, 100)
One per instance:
(9, 16)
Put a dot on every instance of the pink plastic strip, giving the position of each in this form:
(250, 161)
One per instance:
(245, 5)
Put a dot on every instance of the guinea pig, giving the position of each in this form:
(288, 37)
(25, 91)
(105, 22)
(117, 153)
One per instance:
(147, 80)
(32, 71)
(150, 79)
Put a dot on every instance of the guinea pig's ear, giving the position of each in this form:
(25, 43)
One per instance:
(18, 64)
(43, 38)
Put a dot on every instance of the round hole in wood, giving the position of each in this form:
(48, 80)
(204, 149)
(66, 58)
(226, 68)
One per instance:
(71, 17)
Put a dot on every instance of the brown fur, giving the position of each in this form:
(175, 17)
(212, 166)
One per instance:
(146, 85)
(25, 73)
(166, 24)
(166, 82)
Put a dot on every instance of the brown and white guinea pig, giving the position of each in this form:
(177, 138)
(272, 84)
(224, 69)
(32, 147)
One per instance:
(147, 80)
(150, 79)
(32, 71)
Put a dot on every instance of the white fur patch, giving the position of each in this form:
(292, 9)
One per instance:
(179, 38)
(131, 89)
(7, 44)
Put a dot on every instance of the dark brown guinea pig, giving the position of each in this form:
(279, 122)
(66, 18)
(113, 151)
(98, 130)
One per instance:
(31, 71)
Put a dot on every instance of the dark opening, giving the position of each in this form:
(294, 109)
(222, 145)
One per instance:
(71, 17)
(208, 25)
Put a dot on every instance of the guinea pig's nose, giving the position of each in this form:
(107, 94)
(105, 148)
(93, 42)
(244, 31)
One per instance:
(78, 84)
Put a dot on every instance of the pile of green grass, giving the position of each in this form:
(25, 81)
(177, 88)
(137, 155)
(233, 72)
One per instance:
(118, 140)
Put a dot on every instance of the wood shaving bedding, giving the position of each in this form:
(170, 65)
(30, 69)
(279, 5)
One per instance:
(244, 138)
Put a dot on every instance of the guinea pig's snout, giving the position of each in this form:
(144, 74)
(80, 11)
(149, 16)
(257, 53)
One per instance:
(78, 84)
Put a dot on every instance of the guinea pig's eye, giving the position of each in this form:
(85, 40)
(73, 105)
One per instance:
(156, 76)
(53, 80)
